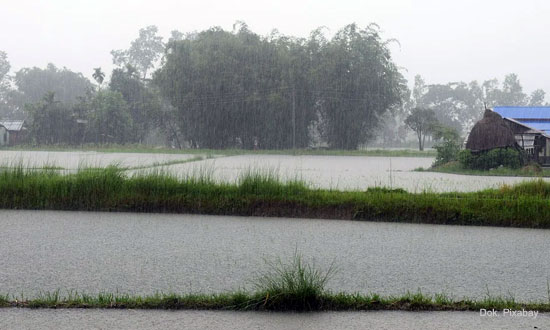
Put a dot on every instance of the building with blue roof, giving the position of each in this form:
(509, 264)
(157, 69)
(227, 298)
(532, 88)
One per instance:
(531, 127)
(535, 117)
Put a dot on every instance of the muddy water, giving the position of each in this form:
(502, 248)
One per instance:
(147, 253)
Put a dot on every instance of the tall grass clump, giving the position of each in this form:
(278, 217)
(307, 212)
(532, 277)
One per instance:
(539, 188)
(294, 286)
(267, 182)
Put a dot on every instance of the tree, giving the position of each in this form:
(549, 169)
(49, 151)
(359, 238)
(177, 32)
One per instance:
(143, 101)
(422, 122)
(456, 104)
(51, 122)
(99, 76)
(512, 91)
(110, 120)
(537, 98)
(5, 88)
(229, 88)
(34, 83)
(510, 94)
(143, 52)
(357, 83)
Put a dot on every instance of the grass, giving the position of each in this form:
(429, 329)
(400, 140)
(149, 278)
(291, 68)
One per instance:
(258, 193)
(231, 152)
(456, 168)
(242, 301)
(295, 286)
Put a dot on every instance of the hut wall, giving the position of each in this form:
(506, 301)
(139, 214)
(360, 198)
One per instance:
(4, 136)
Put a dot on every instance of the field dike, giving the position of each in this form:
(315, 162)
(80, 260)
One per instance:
(292, 286)
(263, 193)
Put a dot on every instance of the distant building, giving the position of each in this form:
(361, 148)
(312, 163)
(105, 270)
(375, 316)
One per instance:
(527, 128)
(531, 126)
(4, 136)
(15, 132)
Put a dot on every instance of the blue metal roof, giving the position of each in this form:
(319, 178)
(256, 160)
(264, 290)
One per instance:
(524, 112)
(541, 126)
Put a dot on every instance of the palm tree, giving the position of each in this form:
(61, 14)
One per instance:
(98, 76)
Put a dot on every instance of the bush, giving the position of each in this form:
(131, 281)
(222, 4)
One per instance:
(493, 158)
(446, 152)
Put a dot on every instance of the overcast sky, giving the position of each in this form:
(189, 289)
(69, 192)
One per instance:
(441, 40)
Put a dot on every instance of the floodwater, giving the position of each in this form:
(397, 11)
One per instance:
(347, 172)
(73, 160)
(23, 319)
(148, 253)
(331, 172)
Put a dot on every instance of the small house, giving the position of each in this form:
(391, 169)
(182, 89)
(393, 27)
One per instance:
(15, 131)
(531, 127)
(499, 129)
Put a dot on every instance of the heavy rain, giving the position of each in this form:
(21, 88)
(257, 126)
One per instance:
(369, 165)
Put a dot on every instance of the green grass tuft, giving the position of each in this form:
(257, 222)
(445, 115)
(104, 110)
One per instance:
(293, 286)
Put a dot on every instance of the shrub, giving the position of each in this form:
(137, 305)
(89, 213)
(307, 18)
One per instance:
(493, 158)
(447, 151)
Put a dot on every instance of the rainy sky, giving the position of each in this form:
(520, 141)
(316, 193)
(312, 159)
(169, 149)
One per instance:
(441, 40)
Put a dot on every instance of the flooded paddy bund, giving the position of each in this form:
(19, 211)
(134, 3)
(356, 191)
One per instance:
(148, 253)
(327, 172)
(143, 254)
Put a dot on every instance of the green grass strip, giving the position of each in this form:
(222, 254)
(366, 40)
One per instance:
(263, 194)
(456, 168)
(242, 301)
(290, 286)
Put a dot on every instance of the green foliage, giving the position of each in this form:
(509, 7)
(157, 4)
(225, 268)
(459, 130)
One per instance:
(421, 121)
(506, 157)
(144, 104)
(34, 83)
(359, 83)
(230, 88)
(98, 76)
(449, 146)
(110, 120)
(153, 191)
(143, 52)
(293, 286)
(51, 122)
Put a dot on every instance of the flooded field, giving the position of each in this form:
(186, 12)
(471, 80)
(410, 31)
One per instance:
(148, 253)
(347, 172)
(335, 172)
(130, 319)
(73, 160)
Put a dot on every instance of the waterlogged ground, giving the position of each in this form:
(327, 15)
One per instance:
(336, 172)
(347, 172)
(73, 160)
(148, 253)
(131, 319)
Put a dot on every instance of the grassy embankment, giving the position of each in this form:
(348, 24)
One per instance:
(264, 194)
(231, 152)
(456, 168)
(284, 287)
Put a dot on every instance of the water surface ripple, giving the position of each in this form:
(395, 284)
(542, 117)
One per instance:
(23, 319)
(147, 253)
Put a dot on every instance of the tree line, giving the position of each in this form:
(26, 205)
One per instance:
(237, 89)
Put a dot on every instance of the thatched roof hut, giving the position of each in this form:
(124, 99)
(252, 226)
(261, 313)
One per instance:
(491, 132)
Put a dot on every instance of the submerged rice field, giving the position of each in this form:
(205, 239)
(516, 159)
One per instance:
(326, 172)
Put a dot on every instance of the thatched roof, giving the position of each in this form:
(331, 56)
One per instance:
(490, 132)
